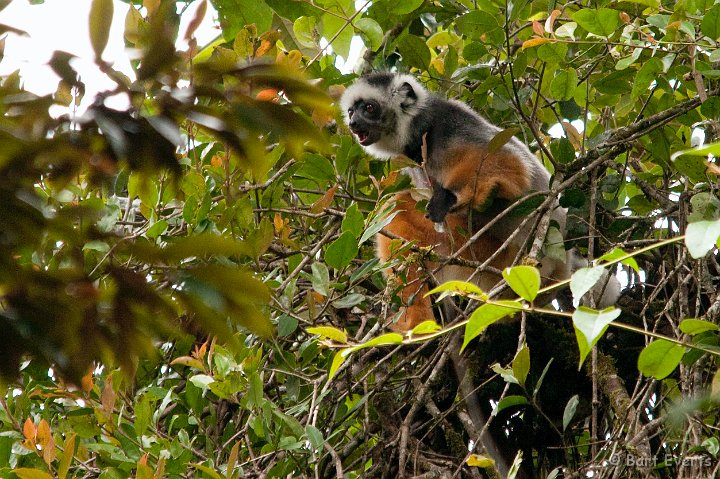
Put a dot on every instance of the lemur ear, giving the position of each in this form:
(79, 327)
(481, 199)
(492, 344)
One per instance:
(407, 95)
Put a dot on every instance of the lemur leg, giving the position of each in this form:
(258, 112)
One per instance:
(411, 225)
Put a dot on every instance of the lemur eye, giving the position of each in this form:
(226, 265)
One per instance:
(370, 108)
(350, 112)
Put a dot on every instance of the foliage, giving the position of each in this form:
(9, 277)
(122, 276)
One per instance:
(189, 285)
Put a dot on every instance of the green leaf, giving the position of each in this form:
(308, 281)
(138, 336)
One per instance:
(542, 377)
(143, 414)
(660, 358)
(715, 386)
(207, 470)
(329, 332)
(553, 53)
(590, 325)
(524, 280)
(694, 167)
(615, 82)
(515, 466)
(554, 246)
(583, 281)
(478, 23)
(202, 381)
(101, 16)
(521, 365)
(348, 301)
(354, 222)
(305, 30)
(286, 325)
(342, 251)
(452, 288)
(27, 473)
(314, 436)
(236, 14)
(401, 7)
(414, 51)
(697, 326)
(201, 246)
(569, 411)
(647, 74)
(382, 340)
(701, 237)
(500, 139)
(711, 445)
(692, 162)
(320, 278)
(705, 206)
(338, 360)
(157, 229)
(624, 63)
(617, 253)
(505, 373)
(336, 28)
(376, 224)
(486, 315)
(710, 25)
(372, 31)
(509, 401)
(711, 149)
(603, 21)
(426, 327)
(648, 3)
(563, 85)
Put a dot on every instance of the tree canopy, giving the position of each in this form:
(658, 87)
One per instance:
(189, 287)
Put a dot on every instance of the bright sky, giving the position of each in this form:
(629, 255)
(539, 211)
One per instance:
(63, 25)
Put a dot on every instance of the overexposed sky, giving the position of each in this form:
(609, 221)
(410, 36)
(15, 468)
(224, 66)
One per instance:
(63, 25)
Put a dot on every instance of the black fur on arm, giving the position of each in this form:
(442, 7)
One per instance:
(440, 204)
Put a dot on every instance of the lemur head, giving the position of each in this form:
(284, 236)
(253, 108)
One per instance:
(379, 109)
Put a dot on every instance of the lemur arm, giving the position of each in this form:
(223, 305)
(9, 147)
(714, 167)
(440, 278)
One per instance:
(473, 177)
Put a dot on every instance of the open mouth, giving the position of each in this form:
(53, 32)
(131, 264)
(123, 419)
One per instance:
(363, 137)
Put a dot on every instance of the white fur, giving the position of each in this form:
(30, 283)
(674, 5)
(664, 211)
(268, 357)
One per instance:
(387, 147)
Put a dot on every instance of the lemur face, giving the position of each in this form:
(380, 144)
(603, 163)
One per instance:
(365, 121)
(379, 109)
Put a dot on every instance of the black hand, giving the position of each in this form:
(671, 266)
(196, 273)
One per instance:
(440, 204)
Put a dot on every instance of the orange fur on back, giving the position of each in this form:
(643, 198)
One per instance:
(473, 175)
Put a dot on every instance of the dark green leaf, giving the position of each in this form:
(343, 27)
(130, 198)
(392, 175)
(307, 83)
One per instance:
(508, 402)
(710, 25)
(235, 14)
(354, 222)
(521, 365)
(563, 85)
(647, 74)
(401, 7)
(414, 51)
(342, 251)
(570, 409)
(478, 23)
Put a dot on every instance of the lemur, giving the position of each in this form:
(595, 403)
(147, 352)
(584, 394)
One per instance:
(391, 114)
